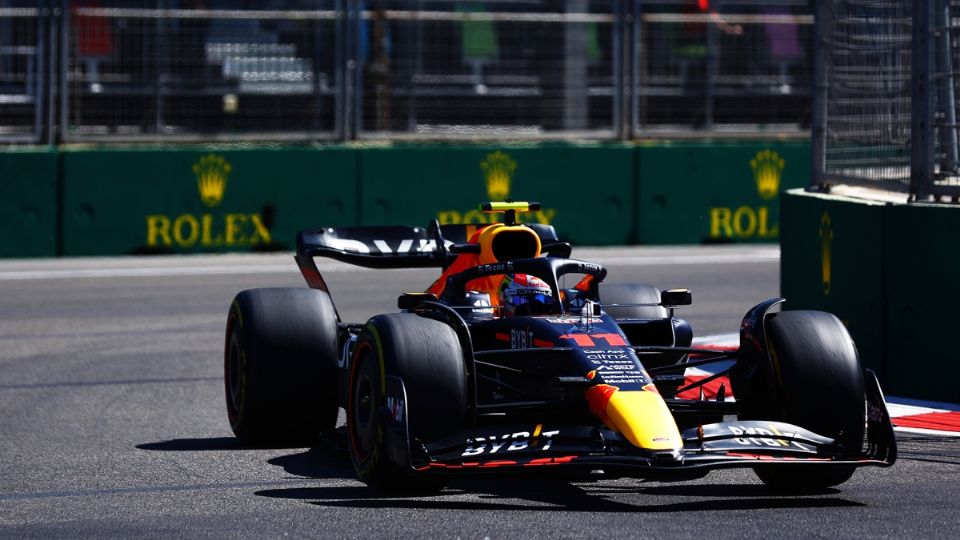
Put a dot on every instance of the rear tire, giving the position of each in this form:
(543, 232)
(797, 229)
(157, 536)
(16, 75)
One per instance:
(427, 356)
(632, 293)
(820, 388)
(279, 365)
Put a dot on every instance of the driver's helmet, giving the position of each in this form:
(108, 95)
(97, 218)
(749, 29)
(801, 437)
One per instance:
(523, 294)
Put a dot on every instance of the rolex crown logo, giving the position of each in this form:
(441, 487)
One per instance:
(211, 172)
(767, 168)
(498, 170)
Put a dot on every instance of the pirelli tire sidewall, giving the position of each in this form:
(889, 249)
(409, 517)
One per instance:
(818, 386)
(818, 373)
(426, 355)
(280, 359)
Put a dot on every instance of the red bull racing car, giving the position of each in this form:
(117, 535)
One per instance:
(520, 358)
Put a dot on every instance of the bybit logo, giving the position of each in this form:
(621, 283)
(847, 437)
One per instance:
(767, 168)
(211, 172)
(498, 169)
(826, 249)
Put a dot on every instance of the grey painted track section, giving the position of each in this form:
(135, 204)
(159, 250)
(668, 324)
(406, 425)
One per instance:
(112, 422)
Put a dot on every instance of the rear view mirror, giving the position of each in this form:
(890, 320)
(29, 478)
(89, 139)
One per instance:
(412, 300)
(676, 297)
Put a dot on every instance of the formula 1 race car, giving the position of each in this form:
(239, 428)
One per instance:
(500, 366)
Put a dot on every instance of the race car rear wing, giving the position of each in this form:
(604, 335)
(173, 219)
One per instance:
(396, 246)
(372, 246)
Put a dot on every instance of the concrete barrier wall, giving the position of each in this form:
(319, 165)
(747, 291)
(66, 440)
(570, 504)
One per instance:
(832, 260)
(922, 295)
(586, 191)
(716, 192)
(29, 206)
(209, 199)
(202, 200)
(889, 272)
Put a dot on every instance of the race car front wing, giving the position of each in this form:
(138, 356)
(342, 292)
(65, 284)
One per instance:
(717, 445)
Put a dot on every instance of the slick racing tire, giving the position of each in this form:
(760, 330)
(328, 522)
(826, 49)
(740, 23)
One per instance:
(279, 366)
(631, 293)
(426, 355)
(821, 388)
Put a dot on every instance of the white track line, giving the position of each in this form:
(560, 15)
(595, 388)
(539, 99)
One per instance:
(133, 267)
(660, 260)
(144, 272)
(921, 431)
(896, 406)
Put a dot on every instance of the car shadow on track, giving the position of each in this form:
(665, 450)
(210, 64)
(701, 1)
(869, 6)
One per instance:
(329, 460)
(205, 444)
(316, 463)
(541, 494)
(324, 460)
(194, 445)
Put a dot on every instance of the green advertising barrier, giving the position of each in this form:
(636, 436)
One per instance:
(832, 260)
(118, 201)
(922, 295)
(196, 199)
(888, 271)
(28, 208)
(586, 191)
(703, 192)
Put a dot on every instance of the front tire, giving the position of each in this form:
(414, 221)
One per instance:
(819, 387)
(279, 366)
(426, 355)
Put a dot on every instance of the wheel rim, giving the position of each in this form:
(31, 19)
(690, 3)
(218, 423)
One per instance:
(361, 417)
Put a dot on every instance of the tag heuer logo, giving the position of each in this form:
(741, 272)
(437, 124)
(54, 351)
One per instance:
(211, 172)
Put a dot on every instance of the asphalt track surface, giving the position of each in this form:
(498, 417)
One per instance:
(112, 422)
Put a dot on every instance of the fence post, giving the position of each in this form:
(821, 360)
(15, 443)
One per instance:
(619, 40)
(575, 69)
(636, 55)
(62, 61)
(945, 89)
(822, 47)
(41, 127)
(921, 108)
(348, 73)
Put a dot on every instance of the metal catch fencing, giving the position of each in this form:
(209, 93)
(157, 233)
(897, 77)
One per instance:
(885, 100)
(722, 66)
(24, 53)
(941, 177)
(114, 70)
(198, 73)
(519, 69)
(865, 91)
